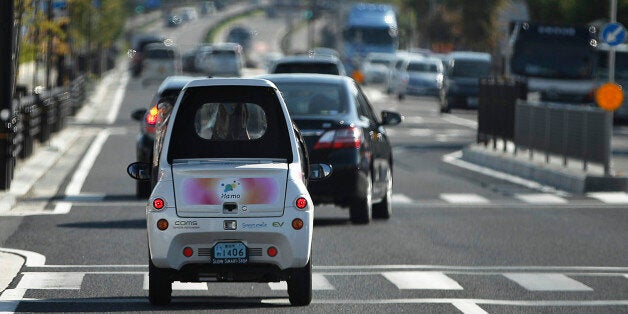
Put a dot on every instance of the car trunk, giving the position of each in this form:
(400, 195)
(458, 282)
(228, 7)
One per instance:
(227, 188)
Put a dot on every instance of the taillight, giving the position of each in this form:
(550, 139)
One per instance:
(158, 203)
(301, 202)
(151, 117)
(341, 138)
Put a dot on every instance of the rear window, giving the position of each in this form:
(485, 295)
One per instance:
(313, 99)
(309, 67)
(160, 54)
(422, 67)
(230, 122)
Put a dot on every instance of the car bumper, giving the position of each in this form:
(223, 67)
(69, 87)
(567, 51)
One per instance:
(201, 234)
(344, 185)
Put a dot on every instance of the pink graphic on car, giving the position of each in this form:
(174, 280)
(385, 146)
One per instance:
(215, 191)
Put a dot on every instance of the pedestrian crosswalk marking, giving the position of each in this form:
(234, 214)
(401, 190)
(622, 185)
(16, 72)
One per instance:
(50, 280)
(177, 285)
(462, 198)
(319, 282)
(468, 307)
(401, 199)
(611, 197)
(547, 282)
(541, 198)
(423, 280)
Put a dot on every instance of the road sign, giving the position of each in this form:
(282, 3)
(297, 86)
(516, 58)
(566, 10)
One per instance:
(609, 96)
(614, 34)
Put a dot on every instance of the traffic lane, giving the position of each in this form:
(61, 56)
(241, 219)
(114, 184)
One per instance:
(524, 236)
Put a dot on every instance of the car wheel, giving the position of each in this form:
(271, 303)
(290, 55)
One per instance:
(142, 189)
(361, 208)
(159, 285)
(444, 106)
(383, 209)
(300, 285)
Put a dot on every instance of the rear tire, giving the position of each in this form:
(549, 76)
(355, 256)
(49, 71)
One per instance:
(159, 285)
(383, 209)
(300, 285)
(361, 208)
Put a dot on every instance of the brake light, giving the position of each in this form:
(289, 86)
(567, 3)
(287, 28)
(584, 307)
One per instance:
(301, 203)
(341, 138)
(158, 203)
(151, 117)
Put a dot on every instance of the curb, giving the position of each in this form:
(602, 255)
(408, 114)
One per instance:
(11, 265)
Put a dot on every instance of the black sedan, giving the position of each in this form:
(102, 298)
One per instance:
(341, 128)
(162, 102)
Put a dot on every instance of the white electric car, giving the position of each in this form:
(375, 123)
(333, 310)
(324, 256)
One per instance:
(229, 202)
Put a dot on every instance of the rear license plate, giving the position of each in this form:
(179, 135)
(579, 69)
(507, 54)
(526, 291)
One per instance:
(230, 253)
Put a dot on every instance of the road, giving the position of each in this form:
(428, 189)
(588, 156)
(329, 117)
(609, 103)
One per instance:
(454, 243)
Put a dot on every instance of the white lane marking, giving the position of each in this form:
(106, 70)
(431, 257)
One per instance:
(319, 282)
(50, 280)
(180, 286)
(81, 173)
(610, 197)
(460, 121)
(547, 282)
(426, 280)
(468, 307)
(400, 198)
(541, 198)
(544, 303)
(463, 198)
(33, 259)
(117, 99)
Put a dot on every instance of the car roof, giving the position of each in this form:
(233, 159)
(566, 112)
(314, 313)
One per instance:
(308, 59)
(305, 77)
(230, 82)
(177, 82)
(472, 55)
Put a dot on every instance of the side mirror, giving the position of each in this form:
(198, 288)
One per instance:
(320, 171)
(391, 117)
(139, 171)
(138, 114)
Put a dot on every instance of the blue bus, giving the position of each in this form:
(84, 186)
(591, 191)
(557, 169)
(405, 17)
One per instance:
(369, 27)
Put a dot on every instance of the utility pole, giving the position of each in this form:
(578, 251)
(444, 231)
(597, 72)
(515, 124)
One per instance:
(49, 46)
(6, 90)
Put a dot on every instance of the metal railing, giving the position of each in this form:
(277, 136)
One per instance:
(576, 131)
(35, 119)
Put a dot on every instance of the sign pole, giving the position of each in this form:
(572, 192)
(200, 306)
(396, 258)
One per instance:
(6, 89)
(611, 51)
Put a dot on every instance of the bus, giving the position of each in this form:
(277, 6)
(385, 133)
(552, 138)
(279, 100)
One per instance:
(558, 62)
(369, 27)
(621, 74)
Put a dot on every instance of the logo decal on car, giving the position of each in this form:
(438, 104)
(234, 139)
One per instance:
(215, 191)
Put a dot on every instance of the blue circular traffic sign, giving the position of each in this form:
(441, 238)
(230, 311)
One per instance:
(614, 34)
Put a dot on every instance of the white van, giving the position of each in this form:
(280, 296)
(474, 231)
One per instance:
(230, 202)
(159, 61)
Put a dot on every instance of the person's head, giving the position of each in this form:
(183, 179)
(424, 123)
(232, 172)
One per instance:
(231, 121)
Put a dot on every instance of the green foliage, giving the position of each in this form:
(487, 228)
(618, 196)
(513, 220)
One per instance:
(575, 11)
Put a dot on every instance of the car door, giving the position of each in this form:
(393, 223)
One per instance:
(379, 147)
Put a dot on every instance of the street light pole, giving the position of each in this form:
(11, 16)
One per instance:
(6, 89)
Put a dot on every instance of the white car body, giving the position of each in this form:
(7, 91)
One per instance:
(159, 62)
(230, 201)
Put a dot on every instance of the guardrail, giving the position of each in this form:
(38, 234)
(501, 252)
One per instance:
(35, 119)
(576, 131)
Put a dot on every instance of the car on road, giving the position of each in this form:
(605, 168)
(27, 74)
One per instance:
(220, 59)
(159, 62)
(241, 35)
(138, 46)
(322, 64)
(231, 200)
(462, 81)
(159, 108)
(341, 128)
(422, 77)
(376, 67)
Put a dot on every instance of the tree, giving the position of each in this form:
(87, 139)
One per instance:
(575, 11)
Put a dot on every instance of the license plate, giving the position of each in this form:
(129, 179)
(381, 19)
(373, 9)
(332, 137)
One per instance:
(230, 253)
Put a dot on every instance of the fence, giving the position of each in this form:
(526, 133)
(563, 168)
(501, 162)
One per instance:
(577, 131)
(35, 119)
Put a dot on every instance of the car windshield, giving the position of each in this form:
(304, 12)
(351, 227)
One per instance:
(160, 54)
(552, 60)
(471, 68)
(422, 67)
